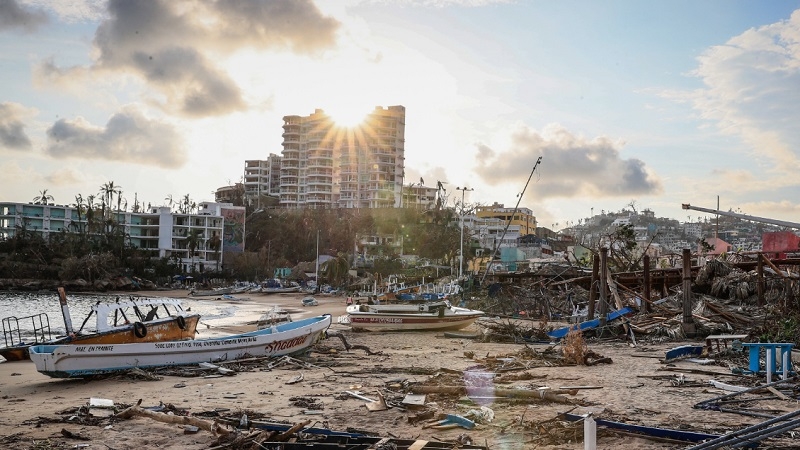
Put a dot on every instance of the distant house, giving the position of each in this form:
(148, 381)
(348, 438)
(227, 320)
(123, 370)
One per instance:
(718, 247)
(778, 244)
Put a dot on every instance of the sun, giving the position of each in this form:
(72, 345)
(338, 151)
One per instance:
(347, 116)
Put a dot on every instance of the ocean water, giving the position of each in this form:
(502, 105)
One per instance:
(25, 304)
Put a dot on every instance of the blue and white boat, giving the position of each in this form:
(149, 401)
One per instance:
(75, 361)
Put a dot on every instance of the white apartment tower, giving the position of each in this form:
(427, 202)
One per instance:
(262, 178)
(328, 166)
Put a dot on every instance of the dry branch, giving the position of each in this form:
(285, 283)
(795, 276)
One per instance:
(136, 410)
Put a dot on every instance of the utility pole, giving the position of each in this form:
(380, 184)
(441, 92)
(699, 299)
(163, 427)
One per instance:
(316, 267)
(461, 255)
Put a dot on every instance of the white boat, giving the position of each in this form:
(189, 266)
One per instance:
(276, 286)
(75, 361)
(120, 322)
(407, 317)
(218, 292)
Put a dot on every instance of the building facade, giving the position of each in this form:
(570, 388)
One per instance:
(262, 178)
(328, 166)
(496, 226)
(159, 232)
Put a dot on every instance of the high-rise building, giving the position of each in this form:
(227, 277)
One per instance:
(328, 166)
(262, 178)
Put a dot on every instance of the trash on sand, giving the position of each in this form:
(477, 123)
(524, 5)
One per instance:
(414, 401)
(451, 421)
(296, 379)
(372, 405)
(485, 414)
(684, 351)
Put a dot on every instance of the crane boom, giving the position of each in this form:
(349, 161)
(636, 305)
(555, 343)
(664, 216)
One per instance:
(781, 223)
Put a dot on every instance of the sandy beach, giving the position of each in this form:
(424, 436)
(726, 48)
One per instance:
(632, 387)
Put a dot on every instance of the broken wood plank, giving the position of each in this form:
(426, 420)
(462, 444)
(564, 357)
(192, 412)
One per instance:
(137, 410)
(542, 394)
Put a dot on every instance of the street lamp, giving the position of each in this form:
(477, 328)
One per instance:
(461, 255)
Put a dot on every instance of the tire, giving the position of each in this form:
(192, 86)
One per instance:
(181, 322)
(139, 330)
(421, 308)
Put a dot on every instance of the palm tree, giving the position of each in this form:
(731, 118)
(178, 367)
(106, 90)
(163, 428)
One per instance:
(169, 200)
(192, 242)
(89, 213)
(109, 190)
(79, 208)
(336, 270)
(43, 197)
(215, 244)
(186, 204)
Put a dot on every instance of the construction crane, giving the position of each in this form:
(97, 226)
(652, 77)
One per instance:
(780, 223)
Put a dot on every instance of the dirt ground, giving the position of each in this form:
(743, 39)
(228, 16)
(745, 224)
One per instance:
(35, 410)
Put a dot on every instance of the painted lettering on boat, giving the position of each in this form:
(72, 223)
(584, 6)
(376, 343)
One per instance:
(94, 348)
(384, 320)
(285, 344)
(195, 344)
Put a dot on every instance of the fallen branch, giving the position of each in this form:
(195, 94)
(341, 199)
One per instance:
(136, 410)
(348, 347)
(552, 395)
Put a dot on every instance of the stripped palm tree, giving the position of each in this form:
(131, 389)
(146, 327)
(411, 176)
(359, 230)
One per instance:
(192, 242)
(215, 244)
(43, 197)
(109, 190)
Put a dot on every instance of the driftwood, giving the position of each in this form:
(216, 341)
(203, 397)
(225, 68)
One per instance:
(552, 395)
(348, 347)
(136, 410)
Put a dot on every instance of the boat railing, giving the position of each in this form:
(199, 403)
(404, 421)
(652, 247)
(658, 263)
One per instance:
(40, 327)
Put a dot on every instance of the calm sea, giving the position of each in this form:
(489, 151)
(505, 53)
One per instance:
(24, 304)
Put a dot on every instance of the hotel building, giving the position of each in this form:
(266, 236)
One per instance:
(160, 232)
(328, 166)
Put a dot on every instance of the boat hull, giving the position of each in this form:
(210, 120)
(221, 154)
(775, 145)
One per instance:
(75, 361)
(159, 330)
(409, 317)
(410, 322)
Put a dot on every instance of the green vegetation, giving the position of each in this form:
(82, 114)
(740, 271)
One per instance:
(96, 247)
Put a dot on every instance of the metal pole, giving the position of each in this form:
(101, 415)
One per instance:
(461, 252)
(316, 267)
(730, 438)
(603, 309)
(646, 275)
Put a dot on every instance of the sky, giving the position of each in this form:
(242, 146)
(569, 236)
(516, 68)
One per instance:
(627, 103)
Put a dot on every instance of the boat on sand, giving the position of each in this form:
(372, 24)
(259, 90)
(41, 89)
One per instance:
(76, 361)
(409, 317)
(120, 322)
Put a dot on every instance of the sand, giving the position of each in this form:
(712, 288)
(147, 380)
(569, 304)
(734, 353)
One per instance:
(35, 408)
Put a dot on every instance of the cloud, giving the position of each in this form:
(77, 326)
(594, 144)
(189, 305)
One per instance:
(751, 90)
(73, 10)
(572, 166)
(14, 15)
(179, 47)
(12, 126)
(128, 136)
(65, 177)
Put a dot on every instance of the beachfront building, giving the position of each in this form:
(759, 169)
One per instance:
(328, 166)
(419, 197)
(496, 226)
(215, 228)
(262, 178)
